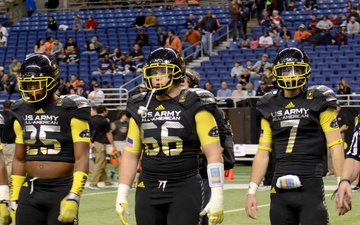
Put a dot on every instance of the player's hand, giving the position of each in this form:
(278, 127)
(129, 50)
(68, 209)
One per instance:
(121, 205)
(214, 209)
(5, 214)
(343, 198)
(69, 207)
(251, 203)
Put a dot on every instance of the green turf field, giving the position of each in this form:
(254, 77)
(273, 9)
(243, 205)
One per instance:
(97, 207)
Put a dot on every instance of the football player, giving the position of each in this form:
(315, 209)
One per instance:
(50, 165)
(297, 125)
(168, 127)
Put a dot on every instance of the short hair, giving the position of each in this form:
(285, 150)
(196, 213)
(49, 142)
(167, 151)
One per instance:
(7, 104)
(101, 109)
(121, 113)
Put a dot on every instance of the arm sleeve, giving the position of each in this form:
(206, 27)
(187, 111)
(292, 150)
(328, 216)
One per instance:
(328, 120)
(80, 130)
(205, 123)
(133, 140)
(265, 134)
(18, 132)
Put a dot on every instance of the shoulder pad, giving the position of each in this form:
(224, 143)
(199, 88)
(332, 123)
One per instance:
(17, 104)
(73, 100)
(138, 97)
(262, 105)
(2, 120)
(328, 93)
(206, 97)
(264, 99)
(134, 103)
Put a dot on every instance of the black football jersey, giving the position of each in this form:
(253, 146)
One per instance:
(298, 140)
(168, 133)
(46, 130)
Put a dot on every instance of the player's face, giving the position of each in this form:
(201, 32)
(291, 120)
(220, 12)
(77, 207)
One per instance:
(35, 89)
(292, 71)
(159, 77)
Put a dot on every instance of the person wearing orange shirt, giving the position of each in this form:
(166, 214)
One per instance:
(48, 45)
(173, 41)
(192, 37)
(301, 34)
(150, 20)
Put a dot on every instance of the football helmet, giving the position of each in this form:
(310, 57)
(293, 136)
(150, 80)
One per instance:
(291, 68)
(39, 78)
(164, 62)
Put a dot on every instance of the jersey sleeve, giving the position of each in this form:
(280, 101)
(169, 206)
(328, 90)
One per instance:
(80, 130)
(133, 139)
(322, 96)
(265, 135)
(206, 127)
(328, 120)
(18, 132)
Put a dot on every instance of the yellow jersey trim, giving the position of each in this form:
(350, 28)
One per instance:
(134, 134)
(77, 127)
(205, 122)
(326, 118)
(18, 132)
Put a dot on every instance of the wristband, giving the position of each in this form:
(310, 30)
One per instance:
(78, 184)
(344, 180)
(253, 188)
(215, 173)
(4, 192)
(16, 183)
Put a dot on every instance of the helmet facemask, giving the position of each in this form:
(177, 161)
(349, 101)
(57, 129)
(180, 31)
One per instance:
(291, 75)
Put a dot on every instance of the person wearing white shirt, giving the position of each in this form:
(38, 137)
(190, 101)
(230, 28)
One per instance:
(324, 24)
(266, 41)
(353, 26)
(250, 92)
(238, 94)
(3, 40)
(236, 71)
(97, 96)
(4, 31)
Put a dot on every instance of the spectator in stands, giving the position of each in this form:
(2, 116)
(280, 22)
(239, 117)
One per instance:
(150, 20)
(327, 38)
(115, 55)
(269, 79)
(105, 66)
(208, 27)
(354, 13)
(291, 6)
(301, 34)
(236, 71)
(315, 38)
(70, 45)
(261, 65)
(141, 88)
(343, 20)
(259, 8)
(324, 24)
(4, 31)
(254, 43)
(262, 89)
(180, 3)
(249, 64)
(61, 56)
(94, 45)
(275, 35)
(266, 41)
(39, 46)
(334, 19)
(30, 7)
(340, 37)
(244, 77)
(80, 91)
(275, 19)
(85, 87)
(353, 26)
(91, 24)
(73, 56)
(66, 88)
(344, 89)
(191, 21)
(48, 45)
(142, 39)
(8, 83)
(265, 20)
(136, 56)
(57, 46)
(173, 41)
(97, 96)
(238, 94)
(161, 37)
(348, 7)
(74, 81)
(235, 19)
(93, 82)
(14, 67)
(201, 18)
(192, 37)
(140, 20)
(52, 25)
(313, 22)
(244, 42)
(224, 93)
(285, 34)
(244, 17)
(310, 5)
(3, 39)
(209, 87)
(78, 23)
(249, 90)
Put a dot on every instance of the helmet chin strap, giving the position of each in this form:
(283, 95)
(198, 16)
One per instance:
(144, 109)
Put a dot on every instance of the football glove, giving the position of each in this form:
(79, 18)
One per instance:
(121, 204)
(69, 208)
(12, 209)
(214, 209)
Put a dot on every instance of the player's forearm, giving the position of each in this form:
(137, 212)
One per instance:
(351, 169)
(259, 167)
(110, 138)
(81, 153)
(128, 167)
(337, 153)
